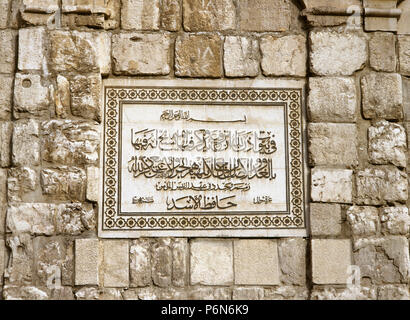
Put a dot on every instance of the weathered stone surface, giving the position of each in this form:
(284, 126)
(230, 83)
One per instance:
(140, 14)
(84, 6)
(3, 200)
(327, 139)
(284, 56)
(116, 263)
(210, 294)
(286, 293)
(393, 292)
(180, 262)
(395, 220)
(155, 293)
(364, 221)
(336, 53)
(211, 262)
(6, 130)
(62, 97)
(20, 267)
(198, 56)
(64, 183)
(256, 262)
(264, 15)
(18, 292)
(21, 182)
(31, 98)
(75, 218)
(141, 54)
(26, 146)
(382, 96)
(3, 252)
(31, 49)
(403, 25)
(41, 6)
(325, 219)
(380, 23)
(339, 104)
(80, 51)
(90, 293)
(87, 257)
(330, 260)
(7, 51)
(247, 293)
(406, 100)
(387, 144)
(70, 142)
(383, 260)
(351, 293)
(162, 262)
(382, 48)
(380, 185)
(206, 15)
(292, 261)
(140, 263)
(4, 11)
(241, 57)
(404, 55)
(6, 94)
(331, 185)
(93, 184)
(33, 218)
(85, 97)
(171, 17)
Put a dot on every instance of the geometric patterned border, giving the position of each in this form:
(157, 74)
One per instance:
(114, 96)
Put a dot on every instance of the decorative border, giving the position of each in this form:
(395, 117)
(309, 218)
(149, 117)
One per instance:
(114, 96)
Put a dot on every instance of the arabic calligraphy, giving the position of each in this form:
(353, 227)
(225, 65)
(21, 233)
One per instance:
(167, 185)
(195, 202)
(170, 115)
(141, 200)
(262, 200)
(262, 142)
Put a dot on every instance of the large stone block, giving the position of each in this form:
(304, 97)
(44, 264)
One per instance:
(20, 267)
(382, 96)
(7, 51)
(140, 14)
(4, 12)
(31, 55)
(70, 142)
(387, 144)
(395, 220)
(377, 186)
(284, 56)
(209, 15)
(404, 55)
(116, 263)
(256, 262)
(31, 98)
(211, 262)
(286, 293)
(393, 292)
(171, 17)
(327, 139)
(161, 258)
(403, 25)
(337, 53)
(292, 261)
(21, 183)
(330, 260)
(3, 201)
(62, 97)
(85, 96)
(341, 293)
(93, 184)
(41, 6)
(75, 218)
(87, 257)
(382, 48)
(241, 56)
(198, 56)
(3, 252)
(325, 219)
(264, 15)
(180, 251)
(63, 183)
(339, 104)
(141, 54)
(247, 293)
(6, 130)
(6, 94)
(140, 263)
(25, 143)
(331, 185)
(381, 22)
(364, 221)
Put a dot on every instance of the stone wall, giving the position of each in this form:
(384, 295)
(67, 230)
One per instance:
(53, 57)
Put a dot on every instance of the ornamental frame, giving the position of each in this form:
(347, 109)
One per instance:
(114, 224)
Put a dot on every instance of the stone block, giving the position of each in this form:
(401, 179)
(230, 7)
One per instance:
(171, 17)
(40, 6)
(393, 292)
(62, 97)
(21, 183)
(326, 140)
(241, 56)
(382, 48)
(4, 12)
(395, 220)
(382, 96)
(93, 184)
(180, 251)
(381, 185)
(247, 293)
(211, 262)
(140, 14)
(284, 56)
(198, 56)
(331, 185)
(25, 143)
(256, 262)
(31, 98)
(7, 51)
(339, 104)
(264, 15)
(337, 53)
(292, 261)
(363, 221)
(3, 252)
(387, 144)
(340, 293)
(330, 260)
(141, 54)
(381, 23)
(31, 55)
(6, 94)
(87, 257)
(286, 293)
(6, 130)
(84, 6)
(85, 96)
(325, 219)
(161, 262)
(116, 263)
(140, 263)
(210, 294)
(403, 25)
(22, 292)
(20, 267)
(75, 218)
(404, 55)
(206, 15)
